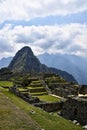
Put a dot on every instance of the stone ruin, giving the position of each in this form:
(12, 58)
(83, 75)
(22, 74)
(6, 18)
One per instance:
(75, 108)
(63, 90)
(49, 107)
(83, 89)
(25, 96)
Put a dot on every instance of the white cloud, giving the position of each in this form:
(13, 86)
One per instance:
(67, 39)
(28, 9)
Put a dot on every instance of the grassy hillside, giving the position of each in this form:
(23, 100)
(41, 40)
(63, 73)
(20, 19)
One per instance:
(17, 114)
(6, 83)
(13, 117)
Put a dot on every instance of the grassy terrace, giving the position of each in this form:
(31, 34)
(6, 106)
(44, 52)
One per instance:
(15, 114)
(48, 98)
(36, 88)
(30, 87)
(22, 89)
(38, 93)
(6, 83)
(54, 80)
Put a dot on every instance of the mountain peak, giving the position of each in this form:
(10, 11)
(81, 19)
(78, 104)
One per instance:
(26, 50)
(25, 61)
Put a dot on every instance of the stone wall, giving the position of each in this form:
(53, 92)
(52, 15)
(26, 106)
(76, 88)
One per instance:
(50, 107)
(83, 89)
(37, 90)
(75, 109)
(25, 96)
(64, 90)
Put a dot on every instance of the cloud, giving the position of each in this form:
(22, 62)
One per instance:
(28, 9)
(66, 39)
(5, 48)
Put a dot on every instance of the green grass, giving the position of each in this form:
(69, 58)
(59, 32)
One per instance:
(29, 87)
(48, 98)
(22, 89)
(35, 87)
(36, 82)
(54, 80)
(13, 118)
(38, 93)
(44, 119)
(6, 83)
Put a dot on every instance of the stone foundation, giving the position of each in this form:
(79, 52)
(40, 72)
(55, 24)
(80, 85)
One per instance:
(50, 107)
(75, 108)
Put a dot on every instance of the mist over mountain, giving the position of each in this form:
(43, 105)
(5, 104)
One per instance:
(75, 65)
(4, 62)
(26, 62)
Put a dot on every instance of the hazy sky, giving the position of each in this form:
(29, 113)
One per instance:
(53, 26)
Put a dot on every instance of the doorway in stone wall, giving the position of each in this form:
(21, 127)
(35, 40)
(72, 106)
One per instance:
(75, 111)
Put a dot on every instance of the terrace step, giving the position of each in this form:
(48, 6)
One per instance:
(38, 94)
(37, 90)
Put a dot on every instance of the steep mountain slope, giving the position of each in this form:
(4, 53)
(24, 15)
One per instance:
(75, 65)
(64, 74)
(4, 62)
(25, 61)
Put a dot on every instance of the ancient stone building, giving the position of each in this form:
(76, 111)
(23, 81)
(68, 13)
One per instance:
(64, 90)
(75, 108)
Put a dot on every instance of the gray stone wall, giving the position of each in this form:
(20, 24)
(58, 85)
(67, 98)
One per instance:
(25, 96)
(75, 109)
(50, 107)
(83, 89)
(64, 90)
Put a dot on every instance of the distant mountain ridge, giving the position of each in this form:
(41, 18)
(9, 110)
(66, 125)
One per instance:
(4, 62)
(25, 61)
(75, 65)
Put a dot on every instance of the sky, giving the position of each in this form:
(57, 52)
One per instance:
(49, 26)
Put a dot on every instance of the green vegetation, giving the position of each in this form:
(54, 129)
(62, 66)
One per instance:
(22, 89)
(6, 83)
(16, 114)
(4, 71)
(13, 117)
(38, 93)
(36, 81)
(48, 98)
(44, 119)
(30, 87)
(55, 79)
